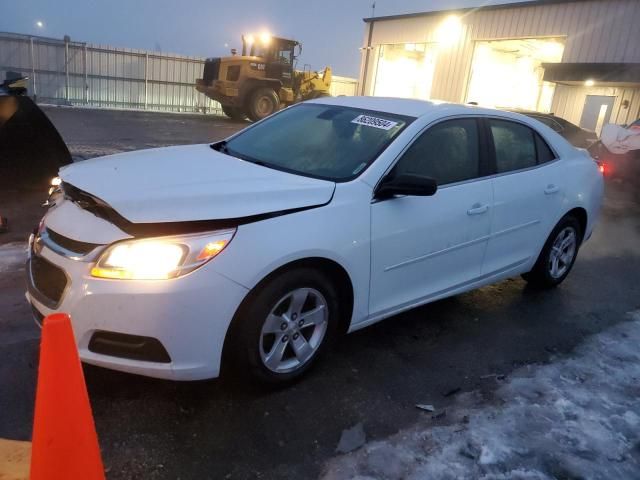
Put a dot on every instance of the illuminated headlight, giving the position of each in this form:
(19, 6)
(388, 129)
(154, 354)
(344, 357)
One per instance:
(160, 258)
(55, 185)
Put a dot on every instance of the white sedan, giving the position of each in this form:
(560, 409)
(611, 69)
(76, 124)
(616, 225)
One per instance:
(324, 218)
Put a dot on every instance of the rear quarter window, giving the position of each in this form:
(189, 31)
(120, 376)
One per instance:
(545, 154)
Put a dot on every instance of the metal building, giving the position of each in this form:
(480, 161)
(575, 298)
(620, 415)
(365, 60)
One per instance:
(577, 58)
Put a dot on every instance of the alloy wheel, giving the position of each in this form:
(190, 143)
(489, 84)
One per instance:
(563, 252)
(294, 330)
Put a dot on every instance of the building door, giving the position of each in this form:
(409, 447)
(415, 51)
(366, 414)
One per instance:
(596, 112)
(405, 70)
(510, 73)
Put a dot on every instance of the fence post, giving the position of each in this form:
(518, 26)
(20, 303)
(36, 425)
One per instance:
(146, 79)
(86, 77)
(66, 67)
(33, 70)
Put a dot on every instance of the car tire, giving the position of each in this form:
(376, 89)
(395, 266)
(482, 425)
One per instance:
(235, 113)
(557, 256)
(276, 337)
(262, 103)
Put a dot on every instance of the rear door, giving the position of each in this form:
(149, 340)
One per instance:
(424, 247)
(528, 195)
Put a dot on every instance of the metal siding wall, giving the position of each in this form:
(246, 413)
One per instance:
(595, 31)
(568, 102)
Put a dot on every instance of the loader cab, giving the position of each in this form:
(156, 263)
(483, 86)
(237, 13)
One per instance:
(279, 55)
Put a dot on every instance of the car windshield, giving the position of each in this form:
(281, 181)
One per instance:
(323, 141)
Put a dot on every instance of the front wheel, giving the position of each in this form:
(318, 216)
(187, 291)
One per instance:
(262, 103)
(558, 255)
(285, 326)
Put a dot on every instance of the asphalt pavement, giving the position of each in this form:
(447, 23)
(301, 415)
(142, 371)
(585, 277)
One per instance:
(227, 429)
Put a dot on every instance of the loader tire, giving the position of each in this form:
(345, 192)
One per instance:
(235, 113)
(262, 103)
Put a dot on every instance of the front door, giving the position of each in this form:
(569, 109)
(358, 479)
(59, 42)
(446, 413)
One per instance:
(423, 247)
(596, 112)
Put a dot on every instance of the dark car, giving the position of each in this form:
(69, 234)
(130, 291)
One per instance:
(578, 137)
(625, 166)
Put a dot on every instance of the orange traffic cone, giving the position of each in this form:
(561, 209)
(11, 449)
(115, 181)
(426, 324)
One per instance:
(65, 444)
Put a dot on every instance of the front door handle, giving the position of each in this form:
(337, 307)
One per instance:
(478, 209)
(551, 189)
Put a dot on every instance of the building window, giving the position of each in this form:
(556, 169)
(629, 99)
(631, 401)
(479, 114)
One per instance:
(405, 70)
(509, 73)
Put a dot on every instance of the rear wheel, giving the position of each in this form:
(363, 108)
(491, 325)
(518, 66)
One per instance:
(262, 103)
(557, 256)
(285, 326)
(235, 113)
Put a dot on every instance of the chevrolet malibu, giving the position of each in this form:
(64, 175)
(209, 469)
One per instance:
(324, 218)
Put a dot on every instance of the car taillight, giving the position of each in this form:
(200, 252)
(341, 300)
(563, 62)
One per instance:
(601, 167)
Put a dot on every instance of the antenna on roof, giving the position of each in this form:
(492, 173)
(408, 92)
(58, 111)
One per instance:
(373, 9)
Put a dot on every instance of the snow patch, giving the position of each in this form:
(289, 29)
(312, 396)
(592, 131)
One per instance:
(12, 256)
(575, 418)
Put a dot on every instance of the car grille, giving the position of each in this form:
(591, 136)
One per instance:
(211, 70)
(74, 246)
(48, 280)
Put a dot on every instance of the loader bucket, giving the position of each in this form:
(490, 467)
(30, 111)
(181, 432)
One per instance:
(31, 149)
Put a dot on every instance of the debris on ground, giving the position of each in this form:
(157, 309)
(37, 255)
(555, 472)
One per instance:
(425, 407)
(576, 417)
(351, 439)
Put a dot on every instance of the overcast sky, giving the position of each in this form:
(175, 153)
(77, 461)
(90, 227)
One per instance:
(331, 30)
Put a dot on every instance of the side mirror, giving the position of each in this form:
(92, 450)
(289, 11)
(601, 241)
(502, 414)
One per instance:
(407, 184)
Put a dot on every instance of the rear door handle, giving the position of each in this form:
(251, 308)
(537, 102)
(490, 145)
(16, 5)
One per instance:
(551, 189)
(478, 209)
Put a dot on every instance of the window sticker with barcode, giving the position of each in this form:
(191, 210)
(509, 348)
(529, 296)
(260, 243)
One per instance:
(374, 122)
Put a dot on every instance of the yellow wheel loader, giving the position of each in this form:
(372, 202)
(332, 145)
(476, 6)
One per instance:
(261, 80)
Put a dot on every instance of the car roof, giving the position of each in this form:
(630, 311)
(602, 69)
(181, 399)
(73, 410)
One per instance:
(413, 107)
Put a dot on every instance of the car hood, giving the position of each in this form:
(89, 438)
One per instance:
(191, 183)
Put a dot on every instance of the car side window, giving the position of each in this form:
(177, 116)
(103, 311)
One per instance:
(545, 154)
(514, 144)
(447, 152)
